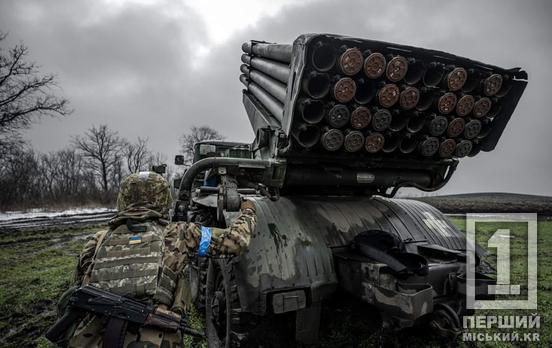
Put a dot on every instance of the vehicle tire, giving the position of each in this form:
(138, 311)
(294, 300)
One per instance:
(222, 306)
(227, 325)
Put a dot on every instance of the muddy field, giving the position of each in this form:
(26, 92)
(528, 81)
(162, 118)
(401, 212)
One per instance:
(38, 265)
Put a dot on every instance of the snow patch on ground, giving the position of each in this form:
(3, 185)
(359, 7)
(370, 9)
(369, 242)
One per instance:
(45, 213)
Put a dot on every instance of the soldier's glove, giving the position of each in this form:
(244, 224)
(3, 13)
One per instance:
(247, 204)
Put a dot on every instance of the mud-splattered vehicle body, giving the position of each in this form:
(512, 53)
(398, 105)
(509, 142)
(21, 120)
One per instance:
(327, 221)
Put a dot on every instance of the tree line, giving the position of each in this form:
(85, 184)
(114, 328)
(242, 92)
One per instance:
(88, 172)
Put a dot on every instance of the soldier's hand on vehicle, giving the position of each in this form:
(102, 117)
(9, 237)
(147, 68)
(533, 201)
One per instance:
(247, 204)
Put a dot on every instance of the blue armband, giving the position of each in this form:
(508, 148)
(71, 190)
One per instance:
(206, 233)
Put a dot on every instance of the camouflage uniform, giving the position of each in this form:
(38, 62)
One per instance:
(181, 241)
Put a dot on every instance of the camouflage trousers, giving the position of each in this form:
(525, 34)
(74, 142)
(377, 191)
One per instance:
(90, 334)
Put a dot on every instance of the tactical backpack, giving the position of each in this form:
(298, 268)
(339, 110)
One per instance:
(129, 262)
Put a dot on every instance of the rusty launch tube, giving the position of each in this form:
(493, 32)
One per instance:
(361, 117)
(272, 68)
(446, 103)
(455, 79)
(447, 148)
(465, 105)
(350, 61)
(344, 90)
(279, 52)
(269, 102)
(275, 88)
(409, 98)
(388, 95)
(397, 68)
(374, 142)
(455, 127)
(374, 65)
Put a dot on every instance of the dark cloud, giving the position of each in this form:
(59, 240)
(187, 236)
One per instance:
(129, 67)
(138, 69)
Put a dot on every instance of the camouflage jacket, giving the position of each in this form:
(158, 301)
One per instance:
(182, 241)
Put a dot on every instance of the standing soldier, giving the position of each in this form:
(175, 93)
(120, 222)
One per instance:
(142, 256)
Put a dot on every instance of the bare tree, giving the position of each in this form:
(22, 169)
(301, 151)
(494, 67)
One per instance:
(25, 94)
(64, 178)
(195, 135)
(136, 155)
(118, 172)
(9, 142)
(18, 178)
(49, 166)
(59, 178)
(102, 147)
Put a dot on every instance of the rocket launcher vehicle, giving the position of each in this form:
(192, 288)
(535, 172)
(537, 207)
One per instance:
(341, 113)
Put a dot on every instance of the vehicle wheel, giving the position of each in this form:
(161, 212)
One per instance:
(226, 324)
(222, 306)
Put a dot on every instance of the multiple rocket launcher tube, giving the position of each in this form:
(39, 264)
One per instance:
(373, 102)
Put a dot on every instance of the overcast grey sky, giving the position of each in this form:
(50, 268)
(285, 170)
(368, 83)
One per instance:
(155, 67)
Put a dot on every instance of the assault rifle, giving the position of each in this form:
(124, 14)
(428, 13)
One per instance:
(117, 309)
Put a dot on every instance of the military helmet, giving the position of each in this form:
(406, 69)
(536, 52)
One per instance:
(145, 189)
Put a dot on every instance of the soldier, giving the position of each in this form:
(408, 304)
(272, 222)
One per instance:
(142, 256)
